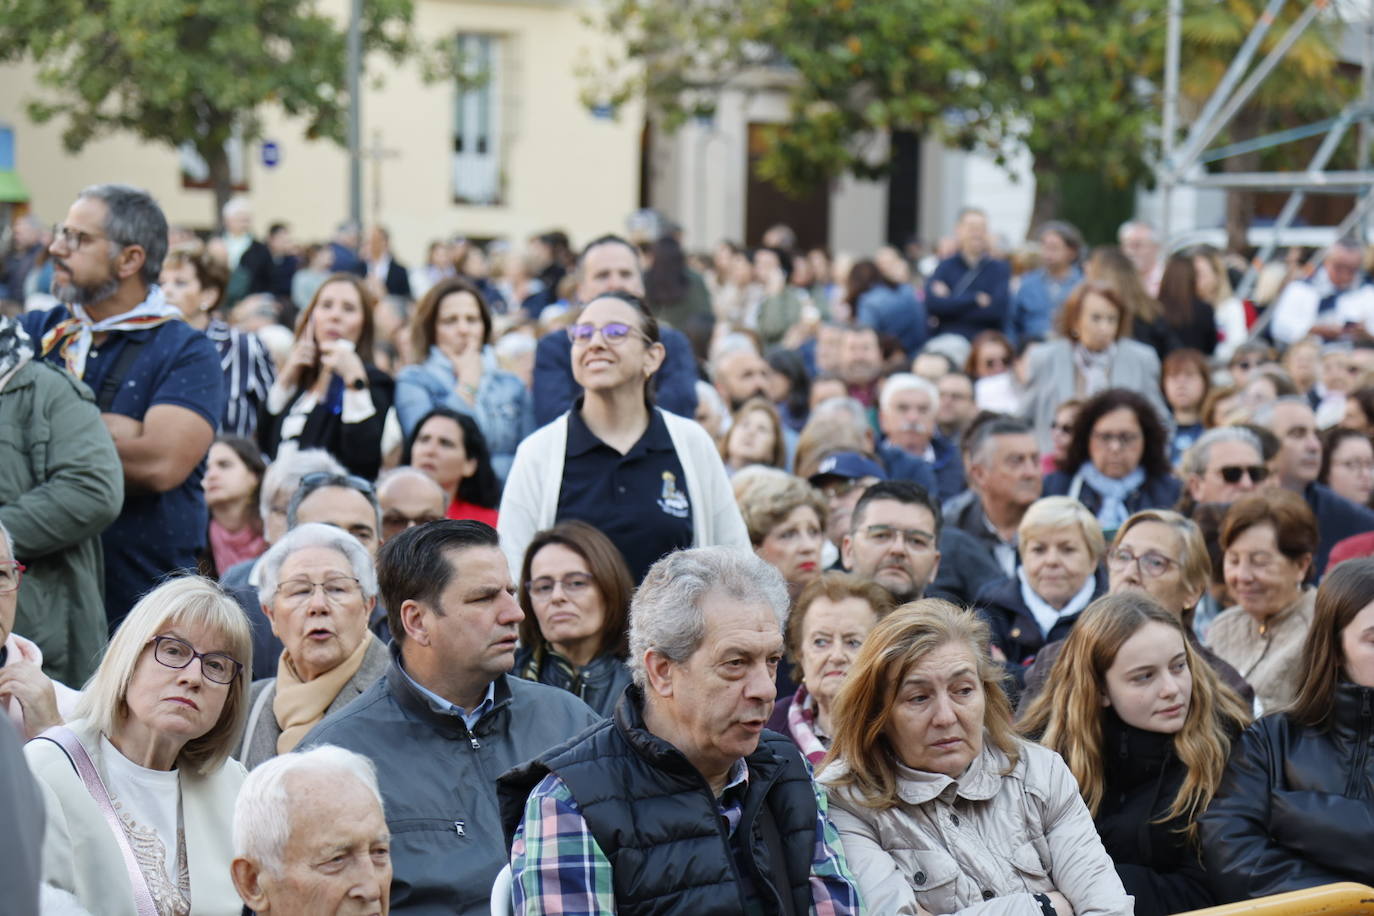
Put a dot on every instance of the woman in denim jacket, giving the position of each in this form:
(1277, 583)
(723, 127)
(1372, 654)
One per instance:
(452, 328)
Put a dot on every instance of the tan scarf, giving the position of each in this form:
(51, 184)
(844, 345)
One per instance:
(300, 705)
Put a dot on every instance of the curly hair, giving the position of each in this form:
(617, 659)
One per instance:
(1155, 457)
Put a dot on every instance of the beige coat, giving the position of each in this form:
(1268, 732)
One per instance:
(82, 857)
(984, 844)
(1268, 655)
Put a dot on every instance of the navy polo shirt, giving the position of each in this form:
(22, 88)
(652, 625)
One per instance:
(155, 533)
(638, 500)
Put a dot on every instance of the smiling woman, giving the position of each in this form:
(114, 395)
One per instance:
(939, 804)
(151, 741)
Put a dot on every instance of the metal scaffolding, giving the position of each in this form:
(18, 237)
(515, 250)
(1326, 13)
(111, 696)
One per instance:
(1182, 160)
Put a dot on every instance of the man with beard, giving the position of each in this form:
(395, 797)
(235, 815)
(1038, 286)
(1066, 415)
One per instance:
(861, 362)
(157, 381)
(738, 370)
(893, 539)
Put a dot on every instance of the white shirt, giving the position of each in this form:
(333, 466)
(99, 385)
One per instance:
(147, 802)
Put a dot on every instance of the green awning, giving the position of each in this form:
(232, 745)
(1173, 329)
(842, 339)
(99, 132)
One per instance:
(12, 190)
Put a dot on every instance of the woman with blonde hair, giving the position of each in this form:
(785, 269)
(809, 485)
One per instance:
(139, 788)
(786, 519)
(1145, 727)
(940, 805)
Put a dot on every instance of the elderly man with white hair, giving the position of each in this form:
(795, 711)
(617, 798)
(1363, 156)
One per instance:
(908, 408)
(310, 837)
(682, 801)
(318, 589)
(250, 261)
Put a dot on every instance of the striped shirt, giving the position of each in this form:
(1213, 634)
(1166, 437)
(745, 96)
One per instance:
(248, 375)
(558, 867)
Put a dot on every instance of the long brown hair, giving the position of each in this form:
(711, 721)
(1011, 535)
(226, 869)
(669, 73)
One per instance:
(863, 709)
(608, 571)
(426, 316)
(1108, 266)
(1346, 590)
(365, 336)
(1067, 715)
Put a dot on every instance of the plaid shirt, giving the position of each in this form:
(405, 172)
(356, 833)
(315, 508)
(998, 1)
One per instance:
(558, 867)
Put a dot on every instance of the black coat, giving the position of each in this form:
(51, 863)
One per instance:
(1296, 807)
(1014, 628)
(358, 446)
(1158, 864)
(1337, 519)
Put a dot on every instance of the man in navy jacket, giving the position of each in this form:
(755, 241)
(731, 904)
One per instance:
(970, 291)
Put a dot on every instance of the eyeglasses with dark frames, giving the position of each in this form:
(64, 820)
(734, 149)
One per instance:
(175, 652)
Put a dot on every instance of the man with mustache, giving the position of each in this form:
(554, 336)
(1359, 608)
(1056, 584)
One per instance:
(447, 718)
(682, 802)
(893, 540)
(908, 408)
(157, 381)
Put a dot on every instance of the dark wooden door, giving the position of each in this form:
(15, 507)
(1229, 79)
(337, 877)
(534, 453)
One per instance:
(767, 205)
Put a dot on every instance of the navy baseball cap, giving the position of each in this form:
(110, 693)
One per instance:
(849, 466)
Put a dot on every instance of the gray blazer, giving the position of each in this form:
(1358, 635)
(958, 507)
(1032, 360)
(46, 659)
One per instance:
(260, 738)
(1052, 381)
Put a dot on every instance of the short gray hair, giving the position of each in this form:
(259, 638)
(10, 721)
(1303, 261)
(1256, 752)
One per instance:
(262, 813)
(728, 346)
(134, 218)
(7, 540)
(285, 474)
(404, 472)
(666, 614)
(316, 534)
(850, 408)
(1264, 414)
(1197, 456)
(898, 382)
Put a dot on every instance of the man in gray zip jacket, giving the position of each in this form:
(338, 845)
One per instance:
(447, 718)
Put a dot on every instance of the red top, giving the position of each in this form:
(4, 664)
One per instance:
(460, 510)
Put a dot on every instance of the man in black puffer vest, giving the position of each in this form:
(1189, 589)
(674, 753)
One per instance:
(682, 803)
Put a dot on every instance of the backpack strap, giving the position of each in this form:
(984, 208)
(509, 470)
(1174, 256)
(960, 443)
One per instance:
(81, 761)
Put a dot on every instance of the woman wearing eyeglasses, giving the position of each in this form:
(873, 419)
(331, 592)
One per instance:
(1118, 460)
(318, 591)
(139, 788)
(1162, 554)
(1268, 541)
(649, 480)
(451, 332)
(575, 592)
(1348, 464)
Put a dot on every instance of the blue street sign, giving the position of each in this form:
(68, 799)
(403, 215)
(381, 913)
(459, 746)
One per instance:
(271, 153)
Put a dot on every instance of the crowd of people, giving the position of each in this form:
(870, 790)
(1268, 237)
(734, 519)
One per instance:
(629, 580)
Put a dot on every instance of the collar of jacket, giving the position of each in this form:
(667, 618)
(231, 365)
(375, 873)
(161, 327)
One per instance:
(1352, 710)
(416, 705)
(629, 720)
(980, 782)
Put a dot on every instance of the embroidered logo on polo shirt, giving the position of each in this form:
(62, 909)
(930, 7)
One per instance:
(672, 500)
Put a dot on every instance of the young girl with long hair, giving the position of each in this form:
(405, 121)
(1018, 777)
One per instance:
(1145, 727)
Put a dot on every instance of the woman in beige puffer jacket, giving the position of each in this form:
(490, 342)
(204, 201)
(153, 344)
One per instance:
(941, 808)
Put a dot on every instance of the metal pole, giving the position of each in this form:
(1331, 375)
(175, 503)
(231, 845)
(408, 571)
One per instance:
(1171, 64)
(355, 113)
(1209, 130)
(1366, 97)
(1191, 147)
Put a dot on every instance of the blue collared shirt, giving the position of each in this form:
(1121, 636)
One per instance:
(439, 704)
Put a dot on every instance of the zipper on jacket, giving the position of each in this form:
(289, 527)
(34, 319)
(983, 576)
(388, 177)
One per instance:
(1354, 788)
(460, 828)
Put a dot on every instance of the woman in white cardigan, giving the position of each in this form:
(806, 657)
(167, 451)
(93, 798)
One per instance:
(153, 734)
(651, 481)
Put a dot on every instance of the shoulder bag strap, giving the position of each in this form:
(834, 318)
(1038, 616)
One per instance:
(109, 386)
(66, 739)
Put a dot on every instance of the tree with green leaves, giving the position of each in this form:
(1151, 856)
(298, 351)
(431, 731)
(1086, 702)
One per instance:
(192, 71)
(1076, 83)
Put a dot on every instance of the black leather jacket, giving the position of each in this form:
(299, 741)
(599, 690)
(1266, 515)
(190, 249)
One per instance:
(1296, 807)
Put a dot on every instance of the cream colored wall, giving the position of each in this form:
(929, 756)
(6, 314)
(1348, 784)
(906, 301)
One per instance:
(564, 168)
